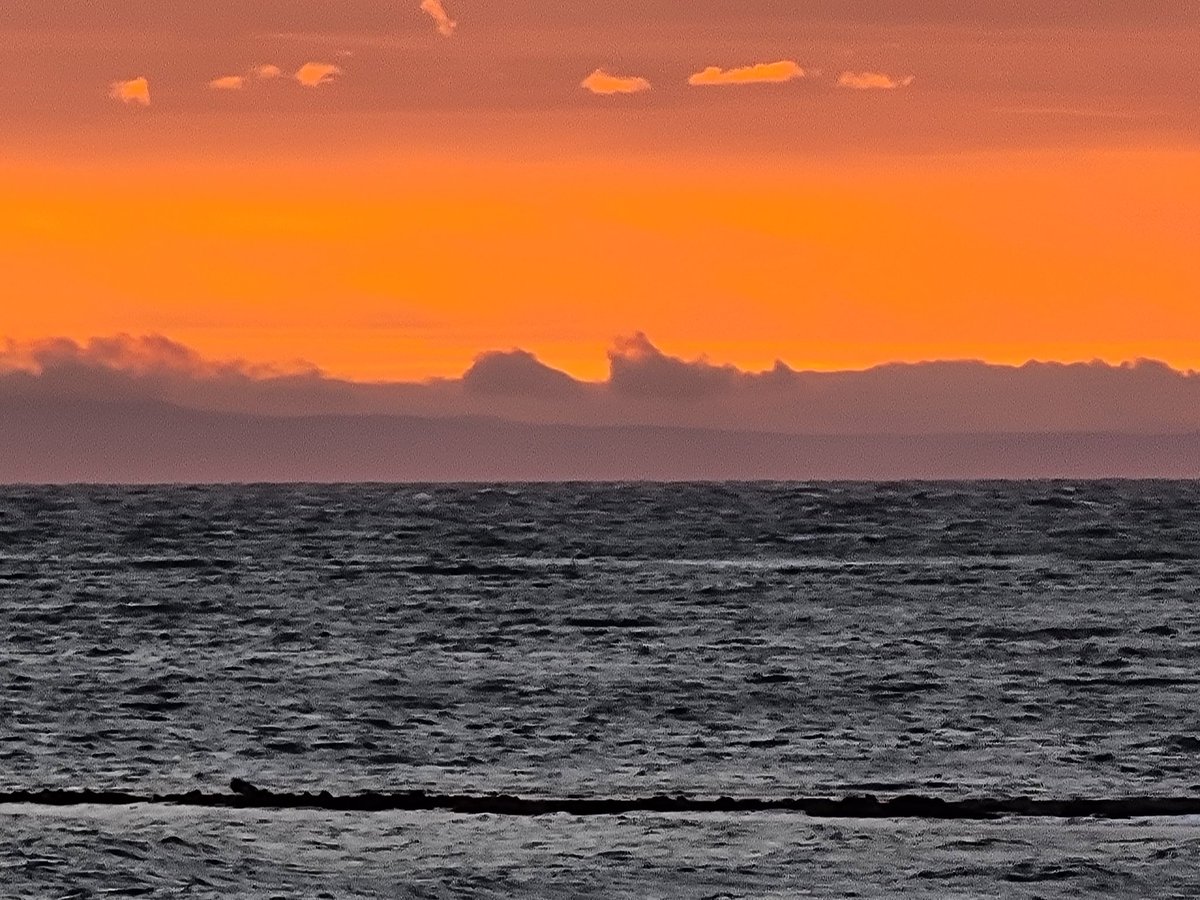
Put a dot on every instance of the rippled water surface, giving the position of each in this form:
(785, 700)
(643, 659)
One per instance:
(143, 851)
(764, 640)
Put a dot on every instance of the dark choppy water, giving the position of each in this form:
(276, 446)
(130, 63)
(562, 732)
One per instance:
(599, 640)
(191, 853)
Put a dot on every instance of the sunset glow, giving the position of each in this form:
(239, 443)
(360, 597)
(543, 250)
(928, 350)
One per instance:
(400, 202)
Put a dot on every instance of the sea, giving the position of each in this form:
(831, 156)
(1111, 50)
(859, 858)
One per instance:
(984, 639)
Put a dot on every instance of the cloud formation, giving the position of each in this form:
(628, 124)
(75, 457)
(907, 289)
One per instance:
(228, 83)
(873, 81)
(639, 369)
(517, 373)
(601, 82)
(435, 9)
(134, 92)
(315, 74)
(759, 73)
(122, 354)
(312, 75)
(536, 47)
(645, 387)
(151, 410)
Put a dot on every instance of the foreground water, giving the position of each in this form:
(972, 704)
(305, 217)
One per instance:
(764, 640)
(136, 852)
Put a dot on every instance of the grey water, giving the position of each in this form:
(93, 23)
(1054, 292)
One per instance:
(765, 640)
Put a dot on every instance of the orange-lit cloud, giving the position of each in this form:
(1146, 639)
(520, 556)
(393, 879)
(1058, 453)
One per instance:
(311, 75)
(228, 83)
(445, 25)
(315, 74)
(873, 81)
(134, 92)
(760, 73)
(601, 82)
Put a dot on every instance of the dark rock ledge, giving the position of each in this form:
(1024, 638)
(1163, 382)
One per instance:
(246, 796)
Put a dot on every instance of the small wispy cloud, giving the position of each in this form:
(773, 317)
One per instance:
(266, 72)
(601, 82)
(874, 81)
(759, 73)
(134, 92)
(315, 74)
(445, 25)
(228, 83)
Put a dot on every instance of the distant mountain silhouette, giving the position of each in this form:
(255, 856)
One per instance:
(88, 440)
(644, 387)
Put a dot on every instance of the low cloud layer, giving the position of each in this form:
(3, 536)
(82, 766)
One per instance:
(134, 92)
(601, 82)
(518, 374)
(149, 409)
(759, 73)
(645, 386)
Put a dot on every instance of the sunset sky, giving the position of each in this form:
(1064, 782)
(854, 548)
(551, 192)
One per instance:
(387, 188)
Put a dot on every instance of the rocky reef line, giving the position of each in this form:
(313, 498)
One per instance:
(244, 795)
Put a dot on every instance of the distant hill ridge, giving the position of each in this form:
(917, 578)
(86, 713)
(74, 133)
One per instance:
(77, 440)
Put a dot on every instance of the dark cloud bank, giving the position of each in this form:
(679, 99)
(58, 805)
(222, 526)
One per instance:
(149, 410)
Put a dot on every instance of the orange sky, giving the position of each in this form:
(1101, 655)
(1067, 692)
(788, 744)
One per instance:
(940, 184)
